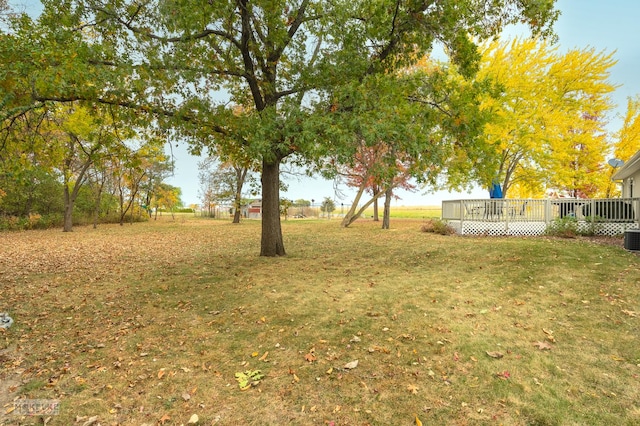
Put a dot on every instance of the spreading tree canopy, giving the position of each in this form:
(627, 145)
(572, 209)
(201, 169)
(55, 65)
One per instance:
(168, 60)
(548, 123)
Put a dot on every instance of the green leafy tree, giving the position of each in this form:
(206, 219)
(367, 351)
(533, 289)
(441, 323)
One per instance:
(300, 202)
(29, 174)
(158, 168)
(98, 180)
(419, 125)
(81, 138)
(130, 170)
(285, 205)
(168, 198)
(327, 207)
(168, 57)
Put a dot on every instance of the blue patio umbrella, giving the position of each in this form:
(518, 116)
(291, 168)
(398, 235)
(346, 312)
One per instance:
(495, 191)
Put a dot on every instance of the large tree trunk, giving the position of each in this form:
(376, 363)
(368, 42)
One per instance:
(354, 213)
(237, 213)
(241, 175)
(272, 243)
(375, 211)
(70, 198)
(68, 210)
(351, 216)
(387, 208)
(96, 207)
(375, 205)
(121, 200)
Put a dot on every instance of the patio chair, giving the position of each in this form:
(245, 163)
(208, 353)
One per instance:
(513, 211)
(471, 210)
(494, 209)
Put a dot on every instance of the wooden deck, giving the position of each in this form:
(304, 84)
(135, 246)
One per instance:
(602, 216)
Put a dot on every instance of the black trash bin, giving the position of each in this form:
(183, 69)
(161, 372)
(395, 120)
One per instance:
(632, 239)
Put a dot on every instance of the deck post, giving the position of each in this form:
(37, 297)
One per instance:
(547, 212)
(506, 216)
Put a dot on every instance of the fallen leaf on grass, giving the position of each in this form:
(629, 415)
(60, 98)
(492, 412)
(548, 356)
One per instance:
(495, 354)
(264, 357)
(549, 334)
(351, 365)
(413, 389)
(418, 422)
(160, 373)
(543, 346)
(164, 418)
(310, 357)
(248, 378)
(630, 313)
(505, 375)
(88, 421)
(186, 396)
(380, 349)
(193, 419)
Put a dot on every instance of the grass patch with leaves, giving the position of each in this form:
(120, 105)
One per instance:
(149, 323)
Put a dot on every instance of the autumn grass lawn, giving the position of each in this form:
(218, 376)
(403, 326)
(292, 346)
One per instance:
(149, 324)
(410, 212)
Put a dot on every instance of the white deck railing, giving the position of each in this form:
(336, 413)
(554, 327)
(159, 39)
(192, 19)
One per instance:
(609, 216)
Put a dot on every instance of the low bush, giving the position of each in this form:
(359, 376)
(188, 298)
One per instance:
(33, 221)
(437, 226)
(566, 227)
(570, 227)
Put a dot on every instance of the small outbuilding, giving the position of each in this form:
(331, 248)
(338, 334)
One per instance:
(254, 209)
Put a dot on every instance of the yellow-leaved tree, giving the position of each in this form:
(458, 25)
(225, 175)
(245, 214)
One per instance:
(548, 123)
(627, 140)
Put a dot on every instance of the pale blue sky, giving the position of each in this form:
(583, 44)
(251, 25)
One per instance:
(610, 25)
